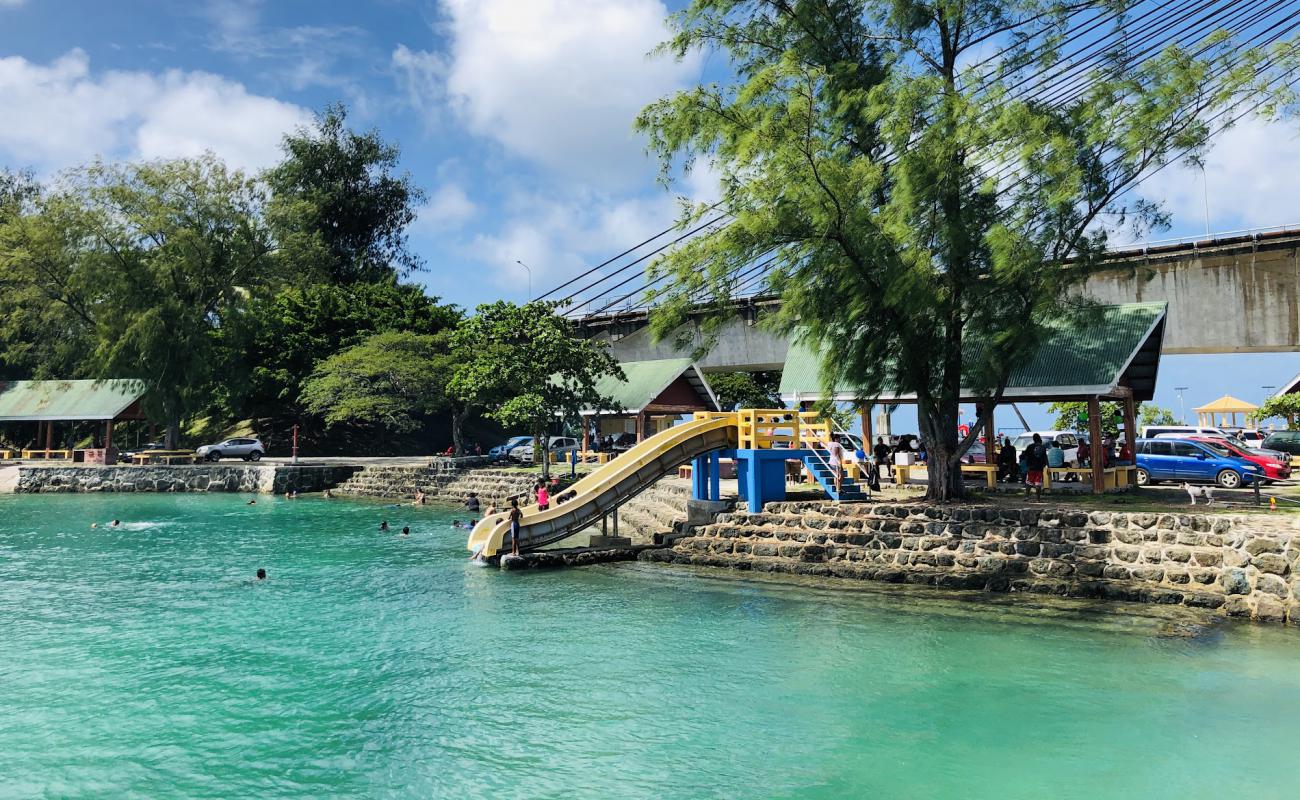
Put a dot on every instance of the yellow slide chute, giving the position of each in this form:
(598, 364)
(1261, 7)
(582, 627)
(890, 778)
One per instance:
(609, 486)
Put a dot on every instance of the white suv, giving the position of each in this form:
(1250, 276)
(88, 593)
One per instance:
(558, 444)
(247, 449)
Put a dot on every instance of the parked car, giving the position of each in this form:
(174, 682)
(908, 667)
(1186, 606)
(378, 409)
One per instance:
(125, 456)
(1069, 441)
(1152, 431)
(502, 451)
(1192, 462)
(1284, 441)
(1247, 436)
(974, 455)
(557, 444)
(1275, 468)
(247, 449)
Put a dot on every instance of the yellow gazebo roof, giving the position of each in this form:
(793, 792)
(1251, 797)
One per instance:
(1227, 405)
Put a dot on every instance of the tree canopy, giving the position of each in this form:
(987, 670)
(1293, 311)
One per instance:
(338, 207)
(1281, 406)
(1068, 416)
(527, 369)
(146, 261)
(925, 207)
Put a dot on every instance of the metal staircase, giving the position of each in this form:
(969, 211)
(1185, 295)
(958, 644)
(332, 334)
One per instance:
(850, 490)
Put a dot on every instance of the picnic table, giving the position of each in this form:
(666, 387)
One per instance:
(989, 471)
(1112, 477)
(48, 455)
(167, 457)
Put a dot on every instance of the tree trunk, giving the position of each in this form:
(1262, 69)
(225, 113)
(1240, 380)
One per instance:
(542, 448)
(939, 427)
(173, 436)
(458, 416)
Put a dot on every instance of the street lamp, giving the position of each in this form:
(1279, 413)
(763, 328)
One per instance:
(1182, 410)
(530, 278)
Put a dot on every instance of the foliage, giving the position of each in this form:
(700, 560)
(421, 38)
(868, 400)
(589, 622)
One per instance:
(147, 261)
(526, 368)
(1112, 416)
(1285, 406)
(338, 209)
(286, 334)
(390, 379)
(746, 389)
(924, 217)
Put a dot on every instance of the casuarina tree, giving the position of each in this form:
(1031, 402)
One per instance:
(931, 180)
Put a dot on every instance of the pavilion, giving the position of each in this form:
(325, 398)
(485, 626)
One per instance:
(48, 403)
(655, 393)
(1224, 409)
(1114, 355)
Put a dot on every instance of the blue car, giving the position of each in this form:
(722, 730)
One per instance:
(499, 452)
(1191, 462)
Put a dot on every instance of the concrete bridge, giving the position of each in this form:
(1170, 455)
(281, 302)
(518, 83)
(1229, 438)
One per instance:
(1233, 294)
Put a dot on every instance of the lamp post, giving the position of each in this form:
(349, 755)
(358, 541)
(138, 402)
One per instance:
(1182, 410)
(530, 278)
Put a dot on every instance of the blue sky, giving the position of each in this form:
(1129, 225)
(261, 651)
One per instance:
(514, 115)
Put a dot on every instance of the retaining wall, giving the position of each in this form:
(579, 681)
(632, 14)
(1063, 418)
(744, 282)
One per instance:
(1244, 566)
(260, 478)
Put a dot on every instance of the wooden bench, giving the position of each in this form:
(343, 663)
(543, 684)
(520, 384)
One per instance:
(990, 472)
(48, 455)
(1112, 477)
(167, 457)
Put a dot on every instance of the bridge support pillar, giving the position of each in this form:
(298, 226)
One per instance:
(706, 476)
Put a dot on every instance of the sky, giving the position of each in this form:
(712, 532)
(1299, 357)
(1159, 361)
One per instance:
(514, 116)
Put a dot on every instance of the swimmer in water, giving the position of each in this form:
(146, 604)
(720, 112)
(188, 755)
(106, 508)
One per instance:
(327, 493)
(261, 574)
(406, 531)
(94, 525)
(455, 523)
(251, 503)
(117, 523)
(383, 526)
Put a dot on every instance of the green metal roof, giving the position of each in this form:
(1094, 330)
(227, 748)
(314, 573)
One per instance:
(646, 380)
(56, 401)
(1119, 347)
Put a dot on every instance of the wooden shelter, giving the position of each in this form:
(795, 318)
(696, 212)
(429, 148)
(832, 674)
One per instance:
(48, 403)
(654, 393)
(1114, 355)
(1222, 410)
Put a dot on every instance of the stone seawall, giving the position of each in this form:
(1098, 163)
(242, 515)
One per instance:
(1244, 566)
(259, 478)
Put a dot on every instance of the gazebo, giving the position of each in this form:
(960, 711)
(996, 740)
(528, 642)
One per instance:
(1224, 409)
(1115, 355)
(48, 403)
(655, 393)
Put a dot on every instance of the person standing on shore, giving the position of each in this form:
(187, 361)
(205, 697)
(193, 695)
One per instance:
(1035, 463)
(835, 458)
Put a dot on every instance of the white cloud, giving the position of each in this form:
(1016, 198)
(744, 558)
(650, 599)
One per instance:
(449, 207)
(61, 114)
(423, 75)
(1248, 173)
(559, 82)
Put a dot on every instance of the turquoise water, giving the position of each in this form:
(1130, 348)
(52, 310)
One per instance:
(143, 662)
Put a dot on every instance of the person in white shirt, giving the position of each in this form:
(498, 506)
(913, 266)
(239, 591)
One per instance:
(835, 455)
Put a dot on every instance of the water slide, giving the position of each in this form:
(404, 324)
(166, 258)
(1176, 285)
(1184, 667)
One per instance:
(608, 486)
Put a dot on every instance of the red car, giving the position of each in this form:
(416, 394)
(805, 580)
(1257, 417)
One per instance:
(1274, 470)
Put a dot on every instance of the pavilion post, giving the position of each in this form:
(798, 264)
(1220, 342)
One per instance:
(640, 427)
(1130, 435)
(990, 439)
(49, 437)
(586, 435)
(1094, 445)
(108, 435)
(864, 412)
